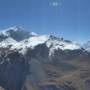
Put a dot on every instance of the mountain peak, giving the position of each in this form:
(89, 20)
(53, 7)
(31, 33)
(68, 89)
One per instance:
(33, 34)
(15, 32)
(14, 29)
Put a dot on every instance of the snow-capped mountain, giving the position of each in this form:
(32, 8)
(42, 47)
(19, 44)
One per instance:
(18, 38)
(29, 61)
(8, 42)
(17, 33)
(52, 42)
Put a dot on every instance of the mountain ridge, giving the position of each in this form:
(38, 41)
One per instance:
(42, 62)
(31, 39)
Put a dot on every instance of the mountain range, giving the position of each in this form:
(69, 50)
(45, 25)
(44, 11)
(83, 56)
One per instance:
(29, 61)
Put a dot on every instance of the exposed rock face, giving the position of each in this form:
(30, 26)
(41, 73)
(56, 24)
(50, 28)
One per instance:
(13, 69)
(36, 70)
(59, 72)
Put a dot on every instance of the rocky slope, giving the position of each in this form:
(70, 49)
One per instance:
(32, 62)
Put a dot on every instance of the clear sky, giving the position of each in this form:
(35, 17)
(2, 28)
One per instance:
(67, 18)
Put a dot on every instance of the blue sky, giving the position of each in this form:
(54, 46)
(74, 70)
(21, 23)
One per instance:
(67, 18)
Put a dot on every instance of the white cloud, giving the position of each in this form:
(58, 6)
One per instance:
(55, 4)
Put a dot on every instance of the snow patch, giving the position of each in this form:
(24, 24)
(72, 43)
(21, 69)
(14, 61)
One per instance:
(61, 44)
(8, 41)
